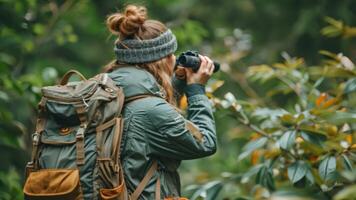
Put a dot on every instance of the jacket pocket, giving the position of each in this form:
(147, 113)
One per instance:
(55, 184)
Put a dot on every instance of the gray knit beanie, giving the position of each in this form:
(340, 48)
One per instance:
(134, 51)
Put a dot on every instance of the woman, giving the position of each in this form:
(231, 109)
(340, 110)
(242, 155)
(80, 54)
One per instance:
(154, 131)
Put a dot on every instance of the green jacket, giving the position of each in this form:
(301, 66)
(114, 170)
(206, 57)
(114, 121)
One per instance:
(154, 130)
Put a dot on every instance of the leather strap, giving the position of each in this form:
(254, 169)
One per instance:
(158, 188)
(115, 156)
(117, 142)
(40, 125)
(80, 146)
(141, 96)
(120, 101)
(99, 134)
(117, 135)
(36, 142)
(141, 186)
(69, 74)
(106, 125)
(81, 112)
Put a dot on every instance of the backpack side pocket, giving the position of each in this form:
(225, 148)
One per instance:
(53, 184)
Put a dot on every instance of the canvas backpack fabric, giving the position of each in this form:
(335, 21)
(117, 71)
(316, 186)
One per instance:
(77, 143)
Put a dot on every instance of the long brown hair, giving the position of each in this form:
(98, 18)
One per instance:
(133, 24)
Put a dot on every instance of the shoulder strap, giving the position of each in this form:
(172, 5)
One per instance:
(40, 125)
(118, 122)
(141, 186)
(136, 97)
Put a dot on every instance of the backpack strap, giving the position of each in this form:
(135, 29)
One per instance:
(141, 186)
(81, 112)
(117, 122)
(158, 188)
(118, 130)
(36, 137)
(140, 96)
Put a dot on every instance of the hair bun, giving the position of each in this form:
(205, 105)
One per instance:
(129, 22)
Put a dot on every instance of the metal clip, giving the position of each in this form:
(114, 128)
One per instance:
(35, 137)
(30, 164)
(80, 133)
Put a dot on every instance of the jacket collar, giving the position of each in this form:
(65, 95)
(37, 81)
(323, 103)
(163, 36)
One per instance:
(136, 81)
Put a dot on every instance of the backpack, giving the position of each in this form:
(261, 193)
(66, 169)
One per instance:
(77, 143)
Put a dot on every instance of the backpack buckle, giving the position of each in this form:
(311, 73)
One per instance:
(80, 133)
(35, 138)
(30, 164)
(116, 168)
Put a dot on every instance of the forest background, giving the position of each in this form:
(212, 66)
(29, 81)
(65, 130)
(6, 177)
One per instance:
(284, 100)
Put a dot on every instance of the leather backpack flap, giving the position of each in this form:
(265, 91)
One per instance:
(53, 184)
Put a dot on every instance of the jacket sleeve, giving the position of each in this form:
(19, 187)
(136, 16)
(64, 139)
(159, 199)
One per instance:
(179, 138)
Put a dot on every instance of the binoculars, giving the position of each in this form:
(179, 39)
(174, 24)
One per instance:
(191, 60)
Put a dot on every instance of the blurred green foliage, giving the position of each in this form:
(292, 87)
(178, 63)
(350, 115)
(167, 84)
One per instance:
(284, 129)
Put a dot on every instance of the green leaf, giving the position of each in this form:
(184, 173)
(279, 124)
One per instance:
(314, 138)
(350, 86)
(348, 193)
(349, 175)
(4, 96)
(327, 167)
(260, 73)
(339, 118)
(297, 171)
(10, 182)
(72, 38)
(288, 120)
(336, 23)
(49, 74)
(39, 29)
(191, 32)
(28, 45)
(251, 172)
(318, 82)
(310, 176)
(265, 113)
(208, 191)
(264, 177)
(7, 59)
(331, 72)
(287, 140)
(329, 54)
(251, 146)
(347, 162)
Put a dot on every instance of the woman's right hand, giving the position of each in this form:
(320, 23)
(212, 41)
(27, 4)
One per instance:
(203, 74)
